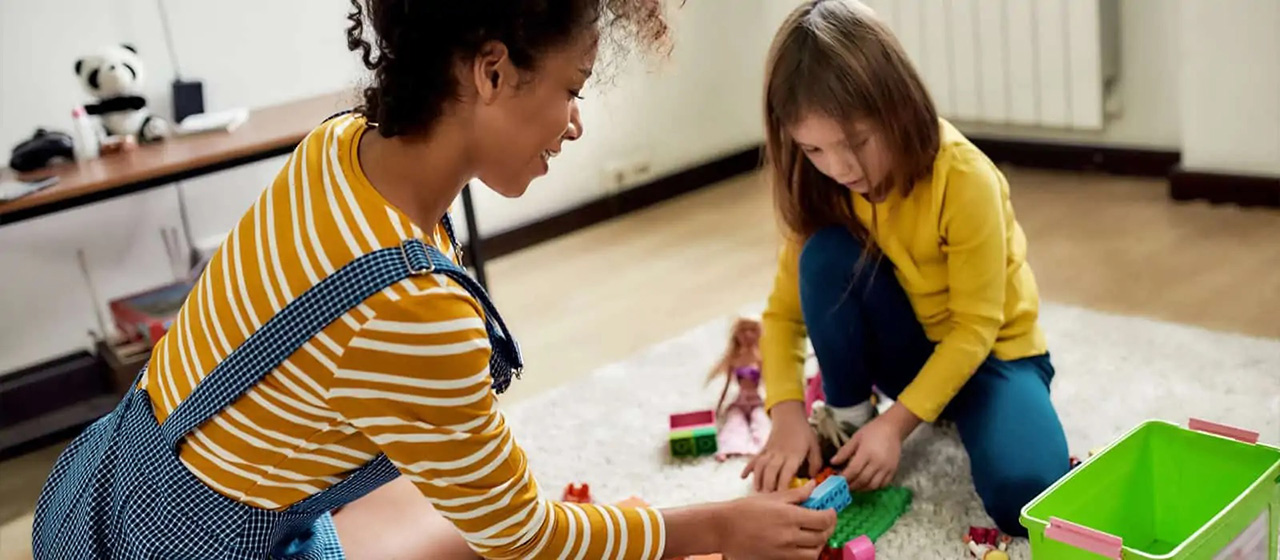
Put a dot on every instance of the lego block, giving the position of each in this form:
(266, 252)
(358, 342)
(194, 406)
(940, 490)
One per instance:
(824, 474)
(694, 442)
(833, 493)
(870, 514)
(682, 445)
(632, 502)
(860, 548)
(686, 420)
(577, 493)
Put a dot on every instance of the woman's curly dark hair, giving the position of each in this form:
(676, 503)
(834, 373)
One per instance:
(417, 42)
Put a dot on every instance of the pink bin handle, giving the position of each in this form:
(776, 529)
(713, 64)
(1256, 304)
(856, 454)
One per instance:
(1084, 538)
(1223, 430)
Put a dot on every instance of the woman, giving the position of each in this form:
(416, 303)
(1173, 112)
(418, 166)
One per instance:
(334, 356)
(906, 268)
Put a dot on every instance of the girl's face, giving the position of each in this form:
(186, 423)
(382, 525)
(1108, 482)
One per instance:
(858, 162)
(523, 122)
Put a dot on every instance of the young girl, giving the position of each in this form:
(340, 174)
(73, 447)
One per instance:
(334, 356)
(905, 268)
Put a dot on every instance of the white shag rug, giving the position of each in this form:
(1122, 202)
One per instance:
(1113, 372)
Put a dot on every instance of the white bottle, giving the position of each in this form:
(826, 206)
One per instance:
(87, 145)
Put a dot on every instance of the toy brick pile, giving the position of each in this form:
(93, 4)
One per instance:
(861, 517)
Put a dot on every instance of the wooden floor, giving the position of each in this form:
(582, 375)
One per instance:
(599, 295)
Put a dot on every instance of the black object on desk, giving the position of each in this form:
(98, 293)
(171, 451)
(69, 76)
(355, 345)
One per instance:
(44, 147)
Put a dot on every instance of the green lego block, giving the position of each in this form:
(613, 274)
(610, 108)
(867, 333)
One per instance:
(705, 438)
(682, 444)
(694, 442)
(870, 514)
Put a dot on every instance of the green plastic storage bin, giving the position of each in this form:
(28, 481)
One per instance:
(1163, 491)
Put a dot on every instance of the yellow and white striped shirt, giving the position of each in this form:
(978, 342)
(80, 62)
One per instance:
(404, 373)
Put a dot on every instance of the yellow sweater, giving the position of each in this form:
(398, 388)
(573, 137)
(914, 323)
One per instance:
(961, 258)
(405, 373)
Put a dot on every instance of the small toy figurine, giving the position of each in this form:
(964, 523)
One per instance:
(987, 543)
(577, 493)
(984, 535)
(746, 426)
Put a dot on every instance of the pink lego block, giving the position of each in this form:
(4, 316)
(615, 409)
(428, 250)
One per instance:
(696, 419)
(860, 548)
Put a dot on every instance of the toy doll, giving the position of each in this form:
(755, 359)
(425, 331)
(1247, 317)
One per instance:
(746, 426)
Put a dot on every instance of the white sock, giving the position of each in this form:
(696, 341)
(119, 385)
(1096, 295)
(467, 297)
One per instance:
(857, 415)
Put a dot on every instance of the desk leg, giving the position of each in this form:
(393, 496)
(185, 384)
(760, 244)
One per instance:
(473, 238)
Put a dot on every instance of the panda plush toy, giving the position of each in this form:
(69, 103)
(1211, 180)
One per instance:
(115, 77)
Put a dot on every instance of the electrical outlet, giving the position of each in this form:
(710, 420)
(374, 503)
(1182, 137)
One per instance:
(614, 177)
(623, 174)
(640, 169)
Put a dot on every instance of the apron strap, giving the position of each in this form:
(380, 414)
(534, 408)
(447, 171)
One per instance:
(310, 313)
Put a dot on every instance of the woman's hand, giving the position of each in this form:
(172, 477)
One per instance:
(871, 456)
(769, 526)
(791, 441)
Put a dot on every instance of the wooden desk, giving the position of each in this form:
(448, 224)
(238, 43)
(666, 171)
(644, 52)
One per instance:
(269, 132)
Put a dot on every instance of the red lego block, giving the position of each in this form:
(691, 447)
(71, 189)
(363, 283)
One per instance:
(687, 420)
(577, 493)
(985, 535)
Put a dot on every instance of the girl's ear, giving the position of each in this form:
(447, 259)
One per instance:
(491, 71)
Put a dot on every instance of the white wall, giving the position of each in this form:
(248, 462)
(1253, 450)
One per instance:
(701, 103)
(1149, 87)
(1231, 86)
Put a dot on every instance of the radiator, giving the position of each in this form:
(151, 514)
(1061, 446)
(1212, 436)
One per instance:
(1042, 63)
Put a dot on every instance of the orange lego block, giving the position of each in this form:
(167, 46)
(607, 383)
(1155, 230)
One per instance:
(824, 474)
(632, 502)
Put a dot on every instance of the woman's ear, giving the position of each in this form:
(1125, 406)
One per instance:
(492, 71)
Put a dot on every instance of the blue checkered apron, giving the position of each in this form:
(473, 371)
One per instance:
(119, 490)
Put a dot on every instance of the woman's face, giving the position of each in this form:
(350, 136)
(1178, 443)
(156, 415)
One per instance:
(858, 160)
(523, 121)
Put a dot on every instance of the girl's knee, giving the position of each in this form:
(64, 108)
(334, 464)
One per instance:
(1008, 492)
(832, 252)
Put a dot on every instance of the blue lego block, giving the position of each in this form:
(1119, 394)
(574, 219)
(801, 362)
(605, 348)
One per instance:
(833, 493)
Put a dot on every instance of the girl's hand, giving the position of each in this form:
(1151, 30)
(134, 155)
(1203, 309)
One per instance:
(871, 456)
(791, 441)
(775, 526)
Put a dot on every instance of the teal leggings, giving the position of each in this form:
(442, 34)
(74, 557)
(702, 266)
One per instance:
(866, 334)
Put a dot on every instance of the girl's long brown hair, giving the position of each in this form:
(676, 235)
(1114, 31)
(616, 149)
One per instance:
(834, 58)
